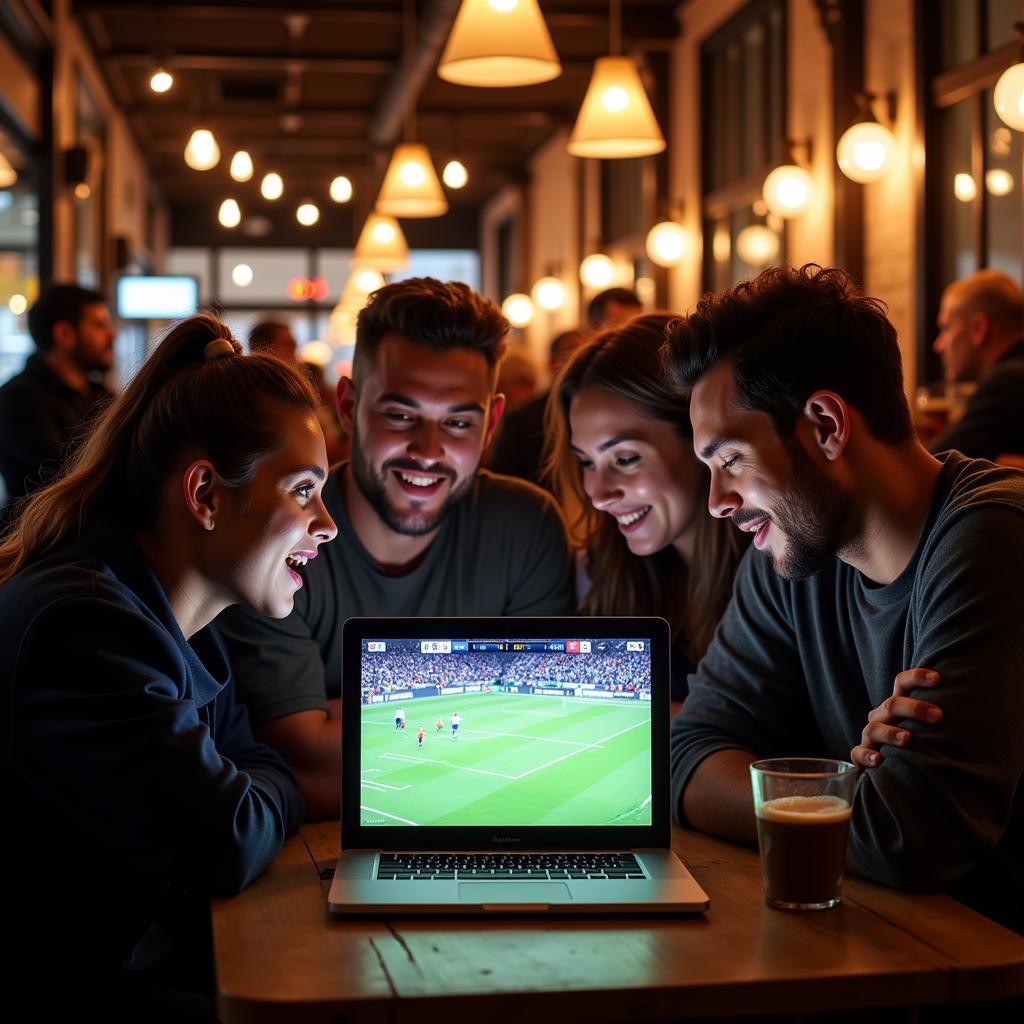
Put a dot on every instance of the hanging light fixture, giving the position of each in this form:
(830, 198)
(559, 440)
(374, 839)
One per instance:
(411, 188)
(964, 187)
(518, 309)
(202, 152)
(241, 166)
(307, 214)
(341, 189)
(667, 243)
(229, 214)
(597, 270)
(272, 186)
(549, 293)
(381, 244)
(455, 174)
(1008, 95)
(616, 119)
(367, 279)
(499, 43)
(867, 149)
(788, 191)
(161, 80)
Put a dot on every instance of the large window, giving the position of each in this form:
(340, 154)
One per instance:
(975, 169)
(743, 124)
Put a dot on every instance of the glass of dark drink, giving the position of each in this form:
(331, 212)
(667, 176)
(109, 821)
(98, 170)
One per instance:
(803, 807)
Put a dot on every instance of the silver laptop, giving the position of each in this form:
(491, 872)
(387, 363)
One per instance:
(507, 765)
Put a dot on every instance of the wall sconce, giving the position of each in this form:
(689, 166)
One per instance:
(789, 189)
(549, 293)
(1008, 95)
(867, 149)
(999, 182)
(964, 187)
(667, 243)
(757, 245)
(597, 270)
(518, 309)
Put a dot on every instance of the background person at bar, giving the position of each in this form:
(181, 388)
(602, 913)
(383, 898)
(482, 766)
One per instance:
(622, 454)
(981, 338)
(42, 408)
(873, 564)
(422, 529)
(135, 789)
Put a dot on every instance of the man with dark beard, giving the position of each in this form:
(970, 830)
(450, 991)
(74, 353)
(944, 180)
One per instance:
(421, 529)
(878, 615)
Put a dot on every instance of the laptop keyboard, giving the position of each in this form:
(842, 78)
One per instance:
(419, 867)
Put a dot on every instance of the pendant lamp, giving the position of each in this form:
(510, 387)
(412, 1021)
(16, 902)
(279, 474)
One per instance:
(498, 43)
(381, 244)
(411, 188)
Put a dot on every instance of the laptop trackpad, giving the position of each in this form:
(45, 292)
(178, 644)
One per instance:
(514, 892)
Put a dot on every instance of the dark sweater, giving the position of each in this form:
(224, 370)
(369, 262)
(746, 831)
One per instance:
(797, 665)
(134, 784)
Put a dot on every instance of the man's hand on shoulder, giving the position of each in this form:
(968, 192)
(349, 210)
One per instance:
(882, 729)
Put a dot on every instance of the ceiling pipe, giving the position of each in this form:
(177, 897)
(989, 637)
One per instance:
(402, 90)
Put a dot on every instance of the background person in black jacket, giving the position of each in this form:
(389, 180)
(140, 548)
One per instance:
(135, 789)
(43, 407)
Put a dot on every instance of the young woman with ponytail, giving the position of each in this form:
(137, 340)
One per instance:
(135, 787)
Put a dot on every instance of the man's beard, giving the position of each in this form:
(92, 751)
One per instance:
(373, 485)
(813, 513)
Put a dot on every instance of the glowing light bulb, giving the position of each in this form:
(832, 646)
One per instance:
(412, 174)
(202, 152)
(241, 166)
(368, 279)
(1008, 96)
(307, 214)
(615, 99)
(17, 304)
(383, 233)
(666, 243)
(229, 215)
(272, 186)
(549, 293)
(518, 309)
(341, 189)
(964, 187)
(161, 81)
(503, 6)
(999, 182)
(787, 191)
(866, 151)
(454, 174)
(757, 245)
(597, 270)
(241, 275)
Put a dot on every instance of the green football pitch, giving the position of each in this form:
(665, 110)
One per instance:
(519, 759)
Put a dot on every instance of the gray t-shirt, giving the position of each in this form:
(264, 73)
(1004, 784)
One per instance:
(796, 666)
(502, 550)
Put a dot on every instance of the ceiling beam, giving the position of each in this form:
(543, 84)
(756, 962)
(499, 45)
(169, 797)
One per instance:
(254, 62)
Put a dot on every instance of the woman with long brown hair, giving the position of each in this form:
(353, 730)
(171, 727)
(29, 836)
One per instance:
(135, 787)
(621, 456)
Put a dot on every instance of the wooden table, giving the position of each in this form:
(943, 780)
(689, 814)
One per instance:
(280, 956)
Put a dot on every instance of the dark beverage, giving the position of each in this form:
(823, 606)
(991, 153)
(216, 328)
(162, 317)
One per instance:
(803, 848)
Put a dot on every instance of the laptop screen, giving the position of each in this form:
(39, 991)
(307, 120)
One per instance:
(472, 731)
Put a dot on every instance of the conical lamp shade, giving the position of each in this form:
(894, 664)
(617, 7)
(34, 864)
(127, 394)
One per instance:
(411, 188)
(616, 119)
(499, 44)
(381, 244)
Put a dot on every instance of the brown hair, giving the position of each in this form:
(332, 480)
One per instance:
(179, 400)
(625, 361)
(441, 315)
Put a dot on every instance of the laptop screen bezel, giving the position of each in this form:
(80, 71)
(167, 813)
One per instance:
(355, 836)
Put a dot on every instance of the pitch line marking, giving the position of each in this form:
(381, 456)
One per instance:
(573, 753)
(448, 764)
(382, 786)
(373, 810)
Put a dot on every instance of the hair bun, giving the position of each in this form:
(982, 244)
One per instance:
(221, 347)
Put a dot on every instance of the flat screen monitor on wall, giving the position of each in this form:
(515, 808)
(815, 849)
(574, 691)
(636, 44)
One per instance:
(164, 297)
